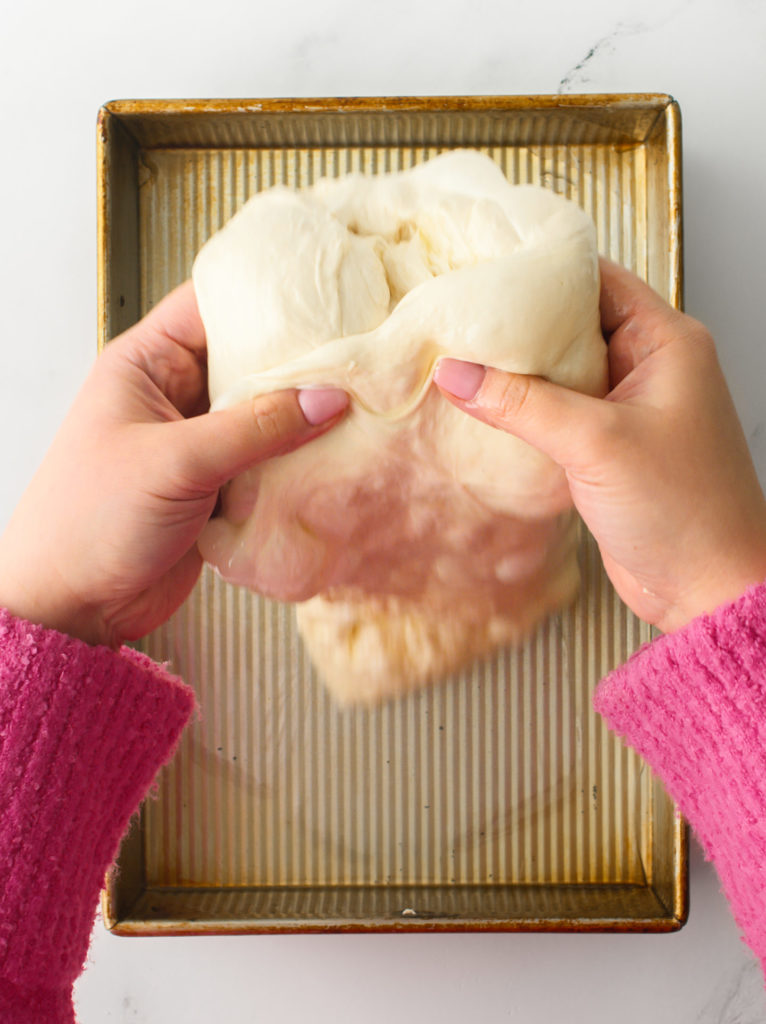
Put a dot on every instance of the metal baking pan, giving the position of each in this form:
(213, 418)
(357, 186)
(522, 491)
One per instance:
(496, 800)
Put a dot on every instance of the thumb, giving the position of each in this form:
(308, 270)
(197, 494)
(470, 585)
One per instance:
(211, 449)
(551, 418)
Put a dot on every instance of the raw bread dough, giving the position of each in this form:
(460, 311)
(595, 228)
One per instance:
(430, 537)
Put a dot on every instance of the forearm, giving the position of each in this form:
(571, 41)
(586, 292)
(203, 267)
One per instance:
(693, 704)
(83, 731)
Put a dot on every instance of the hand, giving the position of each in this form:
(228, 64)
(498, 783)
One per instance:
(659, 470)
(103, 543)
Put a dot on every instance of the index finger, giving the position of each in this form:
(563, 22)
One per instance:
(169, 346)
(635, 320)
(175, 318)
(624, 296)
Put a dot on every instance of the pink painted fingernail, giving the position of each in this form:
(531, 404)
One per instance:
(320, 404)
(460, 379)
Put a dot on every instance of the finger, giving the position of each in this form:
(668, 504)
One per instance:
(175, 318)
(625, 296)
(552, 419)
(211, 449)
(168, 346)
(636, 321)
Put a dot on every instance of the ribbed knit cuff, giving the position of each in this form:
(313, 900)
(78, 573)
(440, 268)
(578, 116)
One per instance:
(693, 704)
(83, 731)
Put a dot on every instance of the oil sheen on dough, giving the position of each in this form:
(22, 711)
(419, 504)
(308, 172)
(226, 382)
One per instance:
(429, 537)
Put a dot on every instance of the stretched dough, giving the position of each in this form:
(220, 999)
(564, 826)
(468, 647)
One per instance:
(430, 537)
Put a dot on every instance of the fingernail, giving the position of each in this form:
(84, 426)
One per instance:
(320, 404)
(462, 380)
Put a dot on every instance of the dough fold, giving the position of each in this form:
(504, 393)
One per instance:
(418, 537)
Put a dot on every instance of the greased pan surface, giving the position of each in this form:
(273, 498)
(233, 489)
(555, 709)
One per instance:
(496, 800)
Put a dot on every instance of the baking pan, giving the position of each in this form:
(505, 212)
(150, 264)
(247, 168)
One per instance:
(495, 800)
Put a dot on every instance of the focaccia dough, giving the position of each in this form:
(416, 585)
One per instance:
(429, 536)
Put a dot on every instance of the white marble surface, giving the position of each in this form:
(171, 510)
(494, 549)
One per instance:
(59, 63)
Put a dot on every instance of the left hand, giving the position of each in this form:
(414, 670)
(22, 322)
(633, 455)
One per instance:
(103, 542)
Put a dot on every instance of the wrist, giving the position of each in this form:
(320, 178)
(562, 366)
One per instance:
(42, 598)
(722, 585)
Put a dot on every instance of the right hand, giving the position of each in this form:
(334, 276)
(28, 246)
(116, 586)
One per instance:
(659, 470)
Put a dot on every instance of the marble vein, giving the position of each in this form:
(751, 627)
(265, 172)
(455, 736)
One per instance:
(737, 999)
(581, 74)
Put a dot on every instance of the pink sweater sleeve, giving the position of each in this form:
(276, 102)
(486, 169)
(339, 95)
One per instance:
(693, 704)
(83, 731)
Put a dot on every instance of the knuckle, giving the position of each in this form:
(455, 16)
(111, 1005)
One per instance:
(704, 341)
(511, 397)
(271, 424)
(697, 333)
(700, 346)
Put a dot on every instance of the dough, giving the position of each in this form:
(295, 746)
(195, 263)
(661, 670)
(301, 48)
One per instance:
(430, 537)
